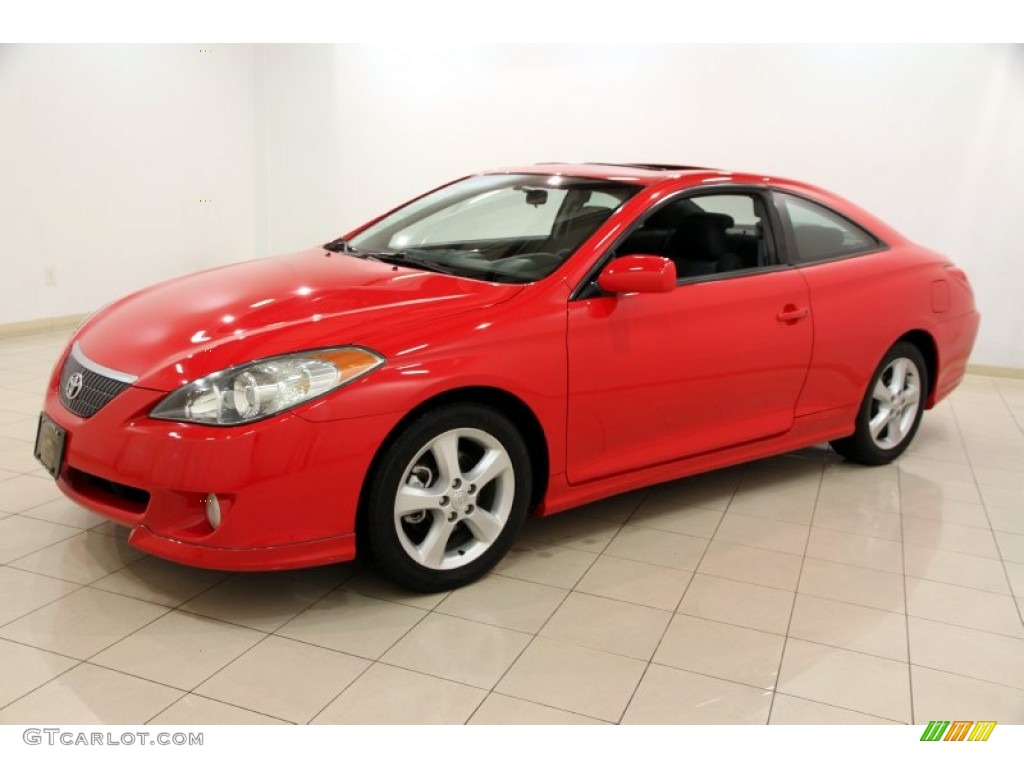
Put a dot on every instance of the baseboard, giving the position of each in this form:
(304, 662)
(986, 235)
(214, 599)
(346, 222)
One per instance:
(997, 371)
(40, 326)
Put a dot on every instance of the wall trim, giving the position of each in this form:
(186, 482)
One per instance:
(41, 325)
(998, 371)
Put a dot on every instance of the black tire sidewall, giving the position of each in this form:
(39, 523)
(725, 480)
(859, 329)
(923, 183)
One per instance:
(861, 447)
(386, 549)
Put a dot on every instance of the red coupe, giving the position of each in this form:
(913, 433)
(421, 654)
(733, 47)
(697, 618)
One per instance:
(520, 341)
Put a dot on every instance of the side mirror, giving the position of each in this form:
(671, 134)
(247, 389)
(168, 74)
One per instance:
(638, 274)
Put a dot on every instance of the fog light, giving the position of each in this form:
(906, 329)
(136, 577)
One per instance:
(212, 504)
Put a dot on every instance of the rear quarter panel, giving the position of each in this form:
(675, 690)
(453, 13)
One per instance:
(861, 306)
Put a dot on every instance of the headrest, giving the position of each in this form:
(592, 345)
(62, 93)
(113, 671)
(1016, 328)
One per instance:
(701, 236)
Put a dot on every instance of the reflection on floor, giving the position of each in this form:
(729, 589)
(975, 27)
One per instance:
(800, 589)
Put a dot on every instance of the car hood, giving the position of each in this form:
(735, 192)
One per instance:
(191, 326)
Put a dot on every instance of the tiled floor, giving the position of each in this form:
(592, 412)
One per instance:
(799, 589)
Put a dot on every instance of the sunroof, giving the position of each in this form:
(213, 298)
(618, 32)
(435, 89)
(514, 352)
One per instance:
(644, 166)
(657, 166)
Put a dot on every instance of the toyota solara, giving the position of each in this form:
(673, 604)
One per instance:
(515, 342)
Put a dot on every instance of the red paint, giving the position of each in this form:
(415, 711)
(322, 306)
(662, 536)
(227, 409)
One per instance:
(628, 389)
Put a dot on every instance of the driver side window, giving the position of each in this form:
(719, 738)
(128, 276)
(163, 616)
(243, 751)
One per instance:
(705, 235)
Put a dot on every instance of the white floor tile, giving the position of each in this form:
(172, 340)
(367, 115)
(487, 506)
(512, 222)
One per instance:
(499, 709)
(179, 649)
(857, 681)
(455, 649)
(23, 669)
(853, 627)
(948, 696)
(82, 623)
(726, 651)
(970, 652)
(633, 582)
(668, 696)
(581, 680)
(87, 695)
(385, 695)
(22, 592)
(284, 678)
(608, 625)
(757, 566)
(790, 710)
(738, 602)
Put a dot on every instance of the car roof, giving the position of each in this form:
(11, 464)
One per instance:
(641, 173)
(646, 174)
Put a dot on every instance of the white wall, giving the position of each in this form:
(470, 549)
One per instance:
(926, 137)
(105, 154)
(105, 151)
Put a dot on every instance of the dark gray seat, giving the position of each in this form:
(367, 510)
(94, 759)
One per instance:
(699, 245)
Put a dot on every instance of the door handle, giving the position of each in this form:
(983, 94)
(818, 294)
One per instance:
(791, 314)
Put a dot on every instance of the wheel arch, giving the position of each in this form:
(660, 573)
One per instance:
(513, 408)
(930, 351)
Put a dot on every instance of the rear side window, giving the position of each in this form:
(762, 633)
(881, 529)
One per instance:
(819, 233)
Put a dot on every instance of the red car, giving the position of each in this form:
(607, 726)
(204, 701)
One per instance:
(520, 341)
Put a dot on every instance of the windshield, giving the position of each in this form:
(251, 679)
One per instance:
(510, 228)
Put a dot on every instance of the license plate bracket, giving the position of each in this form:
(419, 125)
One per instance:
(49, 445)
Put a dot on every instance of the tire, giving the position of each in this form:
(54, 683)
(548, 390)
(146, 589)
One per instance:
(892, 408)
(432, 524)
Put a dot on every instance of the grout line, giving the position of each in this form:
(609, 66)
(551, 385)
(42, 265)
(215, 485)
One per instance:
(282, 721)
(73, 667)
(845, 709)
(600, 721)
(796, 588)
(903, 587)
(1019, 690)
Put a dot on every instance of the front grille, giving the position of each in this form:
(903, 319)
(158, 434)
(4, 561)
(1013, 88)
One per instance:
(95, 391)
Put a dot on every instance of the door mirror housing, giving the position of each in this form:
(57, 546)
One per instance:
(638, 274)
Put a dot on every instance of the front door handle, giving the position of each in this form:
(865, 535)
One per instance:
(791, 314)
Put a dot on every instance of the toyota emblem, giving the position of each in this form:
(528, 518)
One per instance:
(74, 386)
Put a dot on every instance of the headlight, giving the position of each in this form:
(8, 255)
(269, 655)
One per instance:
(262, 388)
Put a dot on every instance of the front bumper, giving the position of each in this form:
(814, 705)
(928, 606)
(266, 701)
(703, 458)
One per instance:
(288, 488)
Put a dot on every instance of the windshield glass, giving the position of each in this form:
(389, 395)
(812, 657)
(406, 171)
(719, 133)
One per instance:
(510, 228)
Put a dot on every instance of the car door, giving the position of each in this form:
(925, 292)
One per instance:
(847, 269)
(720, 360)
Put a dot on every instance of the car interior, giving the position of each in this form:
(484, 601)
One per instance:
(700, 240)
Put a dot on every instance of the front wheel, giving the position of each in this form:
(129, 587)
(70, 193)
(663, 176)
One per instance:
(891, 410)
(448, 498)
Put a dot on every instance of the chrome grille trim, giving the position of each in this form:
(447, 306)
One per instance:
(99, 384)
(102, 370)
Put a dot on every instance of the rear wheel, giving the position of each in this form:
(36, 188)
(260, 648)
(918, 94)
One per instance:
(891, 410)
(449, 496)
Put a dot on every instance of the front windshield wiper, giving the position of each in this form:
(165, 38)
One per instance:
(389, 257)
(405, 260)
